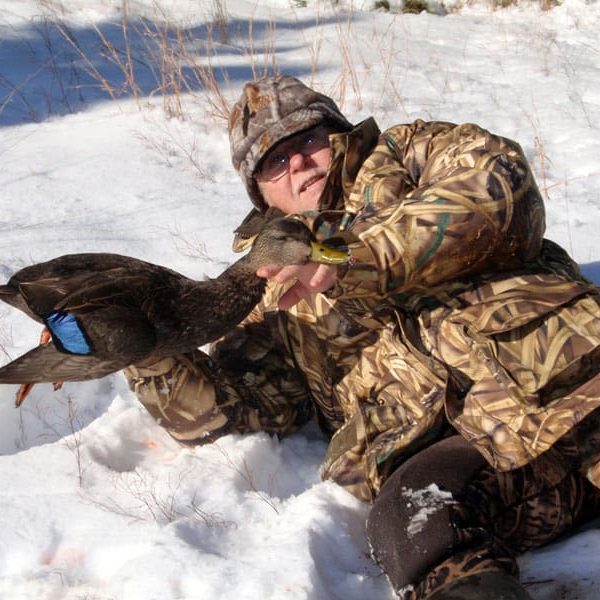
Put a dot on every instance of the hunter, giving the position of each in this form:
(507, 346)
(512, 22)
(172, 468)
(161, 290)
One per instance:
(454, 364)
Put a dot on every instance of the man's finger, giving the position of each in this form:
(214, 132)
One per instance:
(286, 273)
(292, 296)
(267, 271)
(321, 278)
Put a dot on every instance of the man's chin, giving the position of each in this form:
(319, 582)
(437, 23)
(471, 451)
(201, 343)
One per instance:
(309, 198)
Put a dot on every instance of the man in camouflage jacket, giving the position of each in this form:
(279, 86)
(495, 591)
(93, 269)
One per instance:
(458, 355)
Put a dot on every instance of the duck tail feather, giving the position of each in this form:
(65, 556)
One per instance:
(6, 292)
(46, 364)
(11, 296)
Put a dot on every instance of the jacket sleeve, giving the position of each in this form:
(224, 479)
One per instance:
(246, 384)
(437, 201)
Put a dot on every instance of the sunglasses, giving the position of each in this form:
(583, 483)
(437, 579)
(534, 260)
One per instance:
(277, 162)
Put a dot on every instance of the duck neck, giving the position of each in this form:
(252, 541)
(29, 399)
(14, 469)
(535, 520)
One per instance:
(242, 275)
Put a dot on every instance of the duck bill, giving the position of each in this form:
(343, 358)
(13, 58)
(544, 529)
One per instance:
(327, 255)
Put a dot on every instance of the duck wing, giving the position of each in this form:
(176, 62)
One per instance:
(109, 332)
(128, 291)
(46, 364)
(77, 267)
(44, 285)
(85, 347)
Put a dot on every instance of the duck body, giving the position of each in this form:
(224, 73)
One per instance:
(109, 311)
(105, 311)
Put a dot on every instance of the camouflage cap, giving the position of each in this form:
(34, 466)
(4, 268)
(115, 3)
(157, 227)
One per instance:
(268, 111)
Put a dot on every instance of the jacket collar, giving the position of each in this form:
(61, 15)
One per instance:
(348, 152)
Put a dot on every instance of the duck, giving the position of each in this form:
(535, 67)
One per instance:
(103, 312)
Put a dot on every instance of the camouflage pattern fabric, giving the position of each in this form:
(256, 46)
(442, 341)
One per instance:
(454, 310)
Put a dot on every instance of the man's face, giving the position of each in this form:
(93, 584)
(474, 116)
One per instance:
(291, 177)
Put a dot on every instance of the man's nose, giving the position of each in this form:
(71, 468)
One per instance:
(297, 161)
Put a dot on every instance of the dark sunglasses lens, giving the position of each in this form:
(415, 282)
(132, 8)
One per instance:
(314, 141)
(274, 166)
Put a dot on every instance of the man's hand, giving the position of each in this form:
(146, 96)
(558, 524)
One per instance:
(311, 278)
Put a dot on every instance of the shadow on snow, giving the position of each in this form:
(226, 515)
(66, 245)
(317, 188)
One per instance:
(50, 69)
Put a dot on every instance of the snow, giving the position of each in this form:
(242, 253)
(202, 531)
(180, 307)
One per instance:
(427, 501)
(97, 501)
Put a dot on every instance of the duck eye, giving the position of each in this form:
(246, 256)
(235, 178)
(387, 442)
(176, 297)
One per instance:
(280, 236)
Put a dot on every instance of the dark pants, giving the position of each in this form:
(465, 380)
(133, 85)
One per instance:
(445, 513)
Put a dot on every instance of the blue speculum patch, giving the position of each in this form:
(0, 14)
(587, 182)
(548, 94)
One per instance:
(67, 331)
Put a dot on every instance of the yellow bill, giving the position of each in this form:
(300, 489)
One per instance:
(321, 253)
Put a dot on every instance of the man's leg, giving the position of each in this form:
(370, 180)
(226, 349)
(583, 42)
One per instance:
(445, 516)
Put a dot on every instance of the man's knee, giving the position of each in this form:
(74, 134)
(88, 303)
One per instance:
(410, 526)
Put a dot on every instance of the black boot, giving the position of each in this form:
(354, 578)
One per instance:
(488, 585)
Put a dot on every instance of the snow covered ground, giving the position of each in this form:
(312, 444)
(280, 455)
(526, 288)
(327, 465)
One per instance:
(97, 502)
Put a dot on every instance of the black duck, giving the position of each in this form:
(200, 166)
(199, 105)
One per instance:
(105, 312)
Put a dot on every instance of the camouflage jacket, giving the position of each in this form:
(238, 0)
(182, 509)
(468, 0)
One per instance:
(455, 312)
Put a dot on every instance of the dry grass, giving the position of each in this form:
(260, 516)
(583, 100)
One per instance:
(152, 57)
(156, 56)
(348, 74)
(139, 496)
(501, 4)
(243, 471)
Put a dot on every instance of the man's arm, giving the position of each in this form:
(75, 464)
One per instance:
(435, 202)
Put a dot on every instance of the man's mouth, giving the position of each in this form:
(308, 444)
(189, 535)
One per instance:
(306, 184)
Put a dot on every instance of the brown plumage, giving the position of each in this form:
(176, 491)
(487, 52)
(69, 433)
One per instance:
(106, 311)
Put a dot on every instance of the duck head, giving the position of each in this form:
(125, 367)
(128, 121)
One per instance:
(287, 241)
